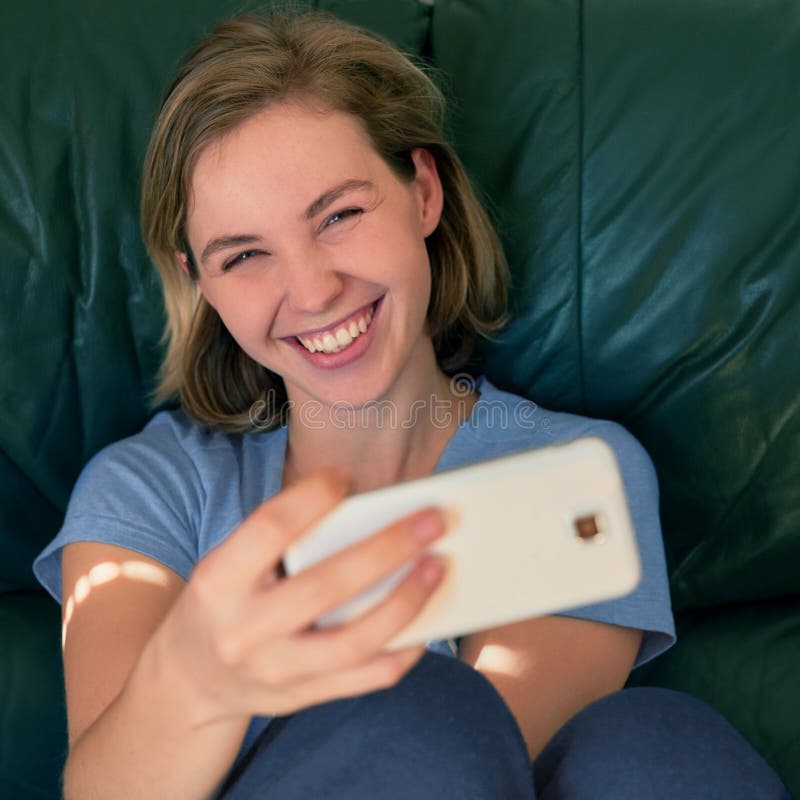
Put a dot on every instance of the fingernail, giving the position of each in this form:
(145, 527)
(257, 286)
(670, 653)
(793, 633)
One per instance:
(428, 525)
(431, 571)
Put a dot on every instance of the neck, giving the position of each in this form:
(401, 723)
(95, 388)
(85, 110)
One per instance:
(394, 438)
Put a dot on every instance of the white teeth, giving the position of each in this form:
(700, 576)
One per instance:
(343, 337)
(334, 342)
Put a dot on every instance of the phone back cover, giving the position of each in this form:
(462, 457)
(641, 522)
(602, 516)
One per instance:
(513, 551)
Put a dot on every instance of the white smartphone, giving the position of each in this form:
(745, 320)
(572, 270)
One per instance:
(527, 534)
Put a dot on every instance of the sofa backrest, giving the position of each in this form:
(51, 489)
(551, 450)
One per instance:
(643, 165)
(644, 160)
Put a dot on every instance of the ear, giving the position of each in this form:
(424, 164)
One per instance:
(429, 190)
(183, 261)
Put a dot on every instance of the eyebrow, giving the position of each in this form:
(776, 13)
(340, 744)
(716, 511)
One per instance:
(225, 242)
(333, 194)
(320, 204)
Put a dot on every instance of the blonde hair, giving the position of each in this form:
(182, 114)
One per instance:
(239, 69)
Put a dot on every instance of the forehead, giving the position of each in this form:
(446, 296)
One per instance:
(285, 154)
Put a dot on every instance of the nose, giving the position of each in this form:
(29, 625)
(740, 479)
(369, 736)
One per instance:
(312, 283)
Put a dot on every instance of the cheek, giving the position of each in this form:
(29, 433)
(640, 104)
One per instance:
(246, 313)
(397, 243)
(420, 268)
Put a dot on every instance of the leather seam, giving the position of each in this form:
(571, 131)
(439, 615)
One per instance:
(579, 221)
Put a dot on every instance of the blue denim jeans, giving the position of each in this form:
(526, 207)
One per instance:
(444, 731)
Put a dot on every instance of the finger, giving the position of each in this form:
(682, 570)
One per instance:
(258, 544)
(330, 582)
(344, 646)
(381, 672)
(289, 661)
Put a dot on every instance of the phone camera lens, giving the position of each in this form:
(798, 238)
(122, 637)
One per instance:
(589, 528)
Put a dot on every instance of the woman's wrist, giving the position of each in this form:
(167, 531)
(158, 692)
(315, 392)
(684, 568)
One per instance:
(154, 739)
(163, 669)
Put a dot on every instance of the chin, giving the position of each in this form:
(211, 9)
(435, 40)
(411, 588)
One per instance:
(331, 390)
(357, 395)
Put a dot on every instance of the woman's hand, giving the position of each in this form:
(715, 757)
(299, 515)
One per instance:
(245, 642)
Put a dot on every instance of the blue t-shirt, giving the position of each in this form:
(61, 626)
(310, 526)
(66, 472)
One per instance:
(176, 490)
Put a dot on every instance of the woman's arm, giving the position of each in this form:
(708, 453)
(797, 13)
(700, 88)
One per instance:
(129, 713)
(163, 678)
(549, 668)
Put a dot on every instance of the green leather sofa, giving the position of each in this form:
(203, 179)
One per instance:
(642, 160)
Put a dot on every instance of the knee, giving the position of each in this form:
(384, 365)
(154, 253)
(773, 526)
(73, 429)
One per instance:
(650, 737)
(442, 687)
(444, 704)
(449, 721)
(443, 730)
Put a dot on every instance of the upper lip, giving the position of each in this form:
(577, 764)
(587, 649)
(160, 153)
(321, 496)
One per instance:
(334, 325)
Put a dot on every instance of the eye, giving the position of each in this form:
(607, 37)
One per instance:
(339, 216)
(239, 258)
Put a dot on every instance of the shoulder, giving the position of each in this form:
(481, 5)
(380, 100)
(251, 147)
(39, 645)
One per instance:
(168, 432)
(156, 459)
(171, 440)
(171, 491)
(176, 464)
(507, 422)
(154, 463)
(526, 425)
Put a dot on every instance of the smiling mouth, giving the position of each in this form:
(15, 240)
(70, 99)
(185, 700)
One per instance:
(341, 335)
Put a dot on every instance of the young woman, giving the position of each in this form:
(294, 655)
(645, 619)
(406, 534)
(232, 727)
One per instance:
(321, 249)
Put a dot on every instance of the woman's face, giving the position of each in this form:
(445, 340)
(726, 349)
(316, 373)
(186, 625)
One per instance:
(299, 228)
